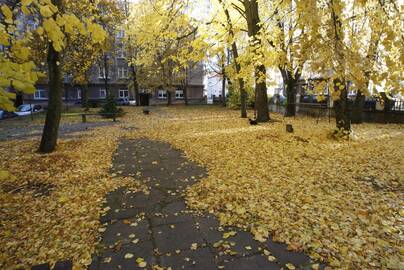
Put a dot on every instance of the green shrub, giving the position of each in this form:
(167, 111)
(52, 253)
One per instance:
(110, 108)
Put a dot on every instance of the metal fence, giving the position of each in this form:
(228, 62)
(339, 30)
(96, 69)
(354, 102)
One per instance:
(393, 113)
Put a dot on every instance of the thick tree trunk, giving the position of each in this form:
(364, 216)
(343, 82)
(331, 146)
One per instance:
(19, 100)
(261, 101)
(254, 27)
(186, 94)
(290, 98)
(84, 96)
(243, 98)
(357, 108)
(341, 106)
(135, 85)
(50, 131)
(168, 97)
(290, 81)
(342, 110)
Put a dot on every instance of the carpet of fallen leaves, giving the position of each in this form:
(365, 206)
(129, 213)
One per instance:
(50, 204)
(339, 201)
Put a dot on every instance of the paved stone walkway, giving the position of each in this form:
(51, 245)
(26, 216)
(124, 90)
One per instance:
(159, 228)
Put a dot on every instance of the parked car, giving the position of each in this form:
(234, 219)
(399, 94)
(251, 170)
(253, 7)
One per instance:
(122, 101)
(132, 102)
(6, 114)
(278, 99)
(26, 109)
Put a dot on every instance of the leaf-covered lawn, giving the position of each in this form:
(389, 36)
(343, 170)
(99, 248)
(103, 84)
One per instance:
(339, 201)
(50, 205)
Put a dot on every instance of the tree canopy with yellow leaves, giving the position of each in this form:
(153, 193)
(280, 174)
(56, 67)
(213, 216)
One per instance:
(353, 45)
(166, 40)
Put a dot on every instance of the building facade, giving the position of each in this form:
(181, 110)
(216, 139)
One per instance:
(119, 76)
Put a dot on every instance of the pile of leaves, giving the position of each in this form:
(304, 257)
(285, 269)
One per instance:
(50, 204)
(339, 201)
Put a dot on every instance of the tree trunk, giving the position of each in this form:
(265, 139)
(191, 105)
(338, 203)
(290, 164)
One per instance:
(186, 87)
(243, 98)
(261, 100)
(106, 74)
(50, 131)
(19, 99)
(135, 85)
(290, 98)
(234, 50)
(342, 110)
(254, 27)
(290, 81)
(357, 108)
(223, 85)
(186, 94)
(341, 106)
(84, 96)
(168, 97)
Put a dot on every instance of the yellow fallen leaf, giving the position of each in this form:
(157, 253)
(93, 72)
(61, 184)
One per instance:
(271, 258)
(141, 263)
(128, 256)
(229, 234)
(290, 266)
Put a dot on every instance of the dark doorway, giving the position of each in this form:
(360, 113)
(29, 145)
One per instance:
(144, 99)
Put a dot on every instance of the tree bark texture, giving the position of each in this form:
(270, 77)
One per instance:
(254, 27)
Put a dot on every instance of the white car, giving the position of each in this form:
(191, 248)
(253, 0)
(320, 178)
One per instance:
(132, 102)
(26, 109)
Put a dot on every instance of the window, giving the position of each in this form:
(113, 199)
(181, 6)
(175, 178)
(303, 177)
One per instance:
(78, 93)
(103, 93)
(162, 94)
(40, 94)
(101, 73)
(179, 94)
(123, 93)
(120, 34)
(123, 73)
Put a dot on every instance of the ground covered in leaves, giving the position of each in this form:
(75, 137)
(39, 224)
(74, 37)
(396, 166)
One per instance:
(339, 201)
(50, 204)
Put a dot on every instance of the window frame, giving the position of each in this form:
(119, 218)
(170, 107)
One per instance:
(41, 96)
(162, 94)
(123, 73)
(123, 91)
(101, 73)
(104, 96)
(181, 96)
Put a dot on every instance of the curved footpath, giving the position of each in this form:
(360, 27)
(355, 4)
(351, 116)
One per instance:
(157, 229)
